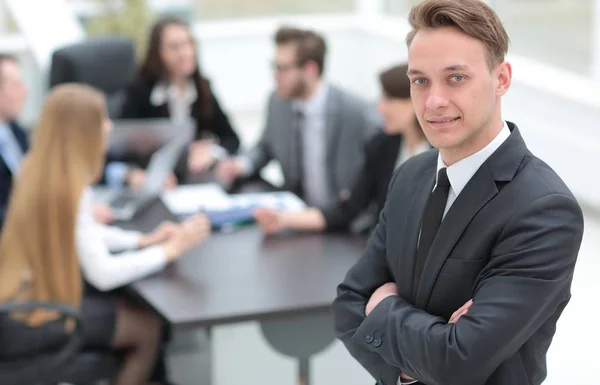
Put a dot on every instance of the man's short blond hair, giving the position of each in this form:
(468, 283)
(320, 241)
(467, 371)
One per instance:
(473, 17)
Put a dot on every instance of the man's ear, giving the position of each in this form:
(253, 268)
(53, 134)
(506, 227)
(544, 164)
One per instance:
(503, 73)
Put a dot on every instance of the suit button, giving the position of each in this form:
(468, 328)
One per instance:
(377, 342)
(369, 338)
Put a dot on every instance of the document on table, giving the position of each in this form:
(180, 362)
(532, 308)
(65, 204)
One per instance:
(190, 199)
(210, 197)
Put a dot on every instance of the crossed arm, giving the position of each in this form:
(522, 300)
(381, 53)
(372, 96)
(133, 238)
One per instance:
(525, 282)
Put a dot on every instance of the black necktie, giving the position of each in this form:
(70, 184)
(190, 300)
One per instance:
(432, 218)
(299, 148)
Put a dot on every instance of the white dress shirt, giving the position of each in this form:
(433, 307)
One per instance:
(10, 150)
(180, 105)
(95, 241)
(314, 145)
(460, 173)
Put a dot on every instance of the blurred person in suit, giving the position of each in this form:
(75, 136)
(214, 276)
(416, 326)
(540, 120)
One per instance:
(169, 84)
(53, 250)
(402, 137)
(316, 131)
(470, 266)
(14, 140)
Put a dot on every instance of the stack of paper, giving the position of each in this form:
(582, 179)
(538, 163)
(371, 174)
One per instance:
(274, 200)
(210, 197)
(191, 199)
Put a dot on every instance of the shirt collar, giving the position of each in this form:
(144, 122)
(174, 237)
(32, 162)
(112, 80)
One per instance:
(163, 92)
(316, 104)
(5, 131)
(462, 171)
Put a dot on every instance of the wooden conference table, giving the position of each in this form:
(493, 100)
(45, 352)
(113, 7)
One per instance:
(287, 282)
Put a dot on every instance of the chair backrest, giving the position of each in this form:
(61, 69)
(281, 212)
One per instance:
(106, 63)
(45, 367)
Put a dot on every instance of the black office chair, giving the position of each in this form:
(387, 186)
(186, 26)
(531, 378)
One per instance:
(67, 365)
(106, 63)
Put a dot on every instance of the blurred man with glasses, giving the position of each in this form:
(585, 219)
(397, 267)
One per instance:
(315, 130)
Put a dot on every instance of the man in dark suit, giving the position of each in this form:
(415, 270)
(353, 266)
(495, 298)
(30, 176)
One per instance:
(316, 131)
(471, 263)
(13, 139)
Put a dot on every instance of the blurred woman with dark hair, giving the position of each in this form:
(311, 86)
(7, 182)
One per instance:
(402, 137)
(170, 84)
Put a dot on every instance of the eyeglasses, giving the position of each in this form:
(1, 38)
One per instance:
(284, 67)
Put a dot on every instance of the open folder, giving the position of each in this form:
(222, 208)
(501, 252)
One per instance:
(223, 209)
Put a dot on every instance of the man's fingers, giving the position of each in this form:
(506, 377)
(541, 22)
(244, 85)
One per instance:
(457, 315)
(461, 311)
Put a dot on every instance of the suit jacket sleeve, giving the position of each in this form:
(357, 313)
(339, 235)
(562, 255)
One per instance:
(526, 281)
(364, 189)
(228, 139)
(262, 153)
(368, 274)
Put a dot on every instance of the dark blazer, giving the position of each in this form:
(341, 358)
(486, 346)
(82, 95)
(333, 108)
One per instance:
(6, 176)
(137, 106)
(349, 124)
(371, 185)
(509, 242)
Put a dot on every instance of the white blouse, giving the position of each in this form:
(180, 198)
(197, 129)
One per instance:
(95, 242)
(180, 106)
(405, 154)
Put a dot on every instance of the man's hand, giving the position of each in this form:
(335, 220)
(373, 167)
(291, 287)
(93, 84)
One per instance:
(103, 214)
(163, 232)
(384, 291)
(460, 312)
(201, 155)
(269, 220)
(229, 170)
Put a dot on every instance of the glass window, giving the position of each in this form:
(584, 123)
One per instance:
(7, 23)
(217, 9)
(556, 32)
(400, 7)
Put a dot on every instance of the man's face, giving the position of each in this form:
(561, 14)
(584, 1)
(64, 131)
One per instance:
(289, 76)
(455, 94)
(13, 91)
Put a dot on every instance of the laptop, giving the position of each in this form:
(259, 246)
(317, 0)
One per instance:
(126, 203)
(142, 137)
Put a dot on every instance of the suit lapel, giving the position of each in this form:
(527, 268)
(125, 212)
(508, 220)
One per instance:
(501, 166)
(413, 227)
(21, 136)
(480, 189)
